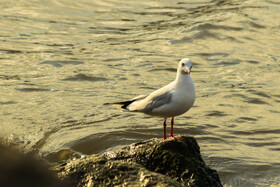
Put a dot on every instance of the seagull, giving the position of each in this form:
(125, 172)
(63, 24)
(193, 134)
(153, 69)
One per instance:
(172, 100)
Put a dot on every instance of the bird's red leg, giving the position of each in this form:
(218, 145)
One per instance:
(172, 123)
(164, 129)
(171, 132)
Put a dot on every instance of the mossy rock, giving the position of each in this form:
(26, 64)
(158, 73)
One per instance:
(153, 162)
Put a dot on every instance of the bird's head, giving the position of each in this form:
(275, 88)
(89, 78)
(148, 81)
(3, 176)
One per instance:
(185, 66)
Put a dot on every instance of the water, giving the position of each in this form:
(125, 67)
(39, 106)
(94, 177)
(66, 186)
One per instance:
(61, 60)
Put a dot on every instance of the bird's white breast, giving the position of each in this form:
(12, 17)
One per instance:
(184, 95)
(183, 98)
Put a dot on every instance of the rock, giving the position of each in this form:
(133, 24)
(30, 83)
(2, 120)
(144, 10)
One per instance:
(25, 170)
(153, 162)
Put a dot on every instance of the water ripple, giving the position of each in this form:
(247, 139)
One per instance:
(59, 63)
(83, 77)
(33, 89)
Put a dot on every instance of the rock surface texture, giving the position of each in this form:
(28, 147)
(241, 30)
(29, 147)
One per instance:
(149, 163)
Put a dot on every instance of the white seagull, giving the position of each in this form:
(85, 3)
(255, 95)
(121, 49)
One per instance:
(172, 100)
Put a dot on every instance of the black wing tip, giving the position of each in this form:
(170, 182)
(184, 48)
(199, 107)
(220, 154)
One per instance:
(126, 103)
(122, 105)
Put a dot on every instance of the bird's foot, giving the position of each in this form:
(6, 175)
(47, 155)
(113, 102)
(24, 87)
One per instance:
(172, 138)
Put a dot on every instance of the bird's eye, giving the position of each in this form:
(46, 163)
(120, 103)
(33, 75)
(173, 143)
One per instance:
(183, 64)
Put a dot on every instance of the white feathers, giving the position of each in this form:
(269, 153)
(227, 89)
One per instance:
(171, 100)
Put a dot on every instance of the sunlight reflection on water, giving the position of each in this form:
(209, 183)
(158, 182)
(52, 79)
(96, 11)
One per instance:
(60, 61)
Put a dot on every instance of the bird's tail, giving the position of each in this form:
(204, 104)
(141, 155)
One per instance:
(122, 104)
(125, 104)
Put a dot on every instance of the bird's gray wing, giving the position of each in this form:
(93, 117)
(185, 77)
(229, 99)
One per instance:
(157, 101)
